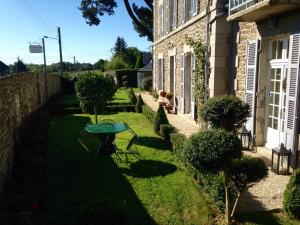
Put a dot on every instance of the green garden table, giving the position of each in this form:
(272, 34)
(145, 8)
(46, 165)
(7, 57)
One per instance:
(107, 134)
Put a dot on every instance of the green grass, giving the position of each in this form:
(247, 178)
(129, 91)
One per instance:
(122, 97)
(69, 101)
(265, 218)
(152, 190)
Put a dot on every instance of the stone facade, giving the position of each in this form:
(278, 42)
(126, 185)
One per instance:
(173, 43)
(19, 96)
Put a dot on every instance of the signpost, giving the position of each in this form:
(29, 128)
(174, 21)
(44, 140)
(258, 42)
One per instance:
(35, 48)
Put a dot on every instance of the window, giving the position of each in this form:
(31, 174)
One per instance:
(190, 9)
(172, 14)
(160, 20)
(160, 74)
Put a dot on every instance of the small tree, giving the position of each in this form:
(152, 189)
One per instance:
(138, 106)
(93, 91)
(227, 112)
(147, 83)
(160, 118)
(213, 150)
(132, 97)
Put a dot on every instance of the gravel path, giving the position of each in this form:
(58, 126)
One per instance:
(185, 125)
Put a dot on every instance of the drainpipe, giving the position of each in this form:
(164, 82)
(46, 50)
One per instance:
(296, 130)
(206, 69)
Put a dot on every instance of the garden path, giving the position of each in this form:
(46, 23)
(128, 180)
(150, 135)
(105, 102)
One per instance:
(185, 125)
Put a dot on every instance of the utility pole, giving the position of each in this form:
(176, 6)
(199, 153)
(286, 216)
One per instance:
(45, 69)
(60, 51)
(74, 63)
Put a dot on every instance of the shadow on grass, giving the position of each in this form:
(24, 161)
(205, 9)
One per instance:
(152, 142)
(79, 188)
(149, 168)
(262, 218)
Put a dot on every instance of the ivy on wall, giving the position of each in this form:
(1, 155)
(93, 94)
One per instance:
(201, 90)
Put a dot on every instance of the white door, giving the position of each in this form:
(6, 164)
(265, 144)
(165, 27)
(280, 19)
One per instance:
(276, 96)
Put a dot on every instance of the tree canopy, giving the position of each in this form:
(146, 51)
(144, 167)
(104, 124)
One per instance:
(142, 16)
(18, 67)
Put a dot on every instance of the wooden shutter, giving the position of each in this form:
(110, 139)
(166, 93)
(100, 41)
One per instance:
(250, 81)
(193, 85)
(182, 82)
(292, 89)
(168, 15)
(162, 74)
(157, 78)
(174, 14)
(160, 20)
(183, 11)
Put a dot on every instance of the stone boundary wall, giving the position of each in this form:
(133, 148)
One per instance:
(20, 95)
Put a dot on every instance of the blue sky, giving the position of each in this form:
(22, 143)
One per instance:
(27, 21)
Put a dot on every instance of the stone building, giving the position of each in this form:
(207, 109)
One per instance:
(266, 45)
(173, 59)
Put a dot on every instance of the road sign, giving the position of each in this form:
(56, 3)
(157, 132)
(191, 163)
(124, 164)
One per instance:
(35, 48)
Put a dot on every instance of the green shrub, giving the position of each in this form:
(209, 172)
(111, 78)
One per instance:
(227, 112)
(166, 130)
(212, 149)
(132, 97)
(138, 106)
(125, 83)
(154, 94)
(94, 90)
(291, 197)
(247, 170)
(149, 113)
(177, 142)
(160, 118)
(119, 108)
(147, 83)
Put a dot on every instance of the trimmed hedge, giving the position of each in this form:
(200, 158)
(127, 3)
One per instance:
(166, 130)
(177, 143)
(160, 118)
(131, 77)
(291, 196)
(119, 108)
(139, 104)
(149, 113)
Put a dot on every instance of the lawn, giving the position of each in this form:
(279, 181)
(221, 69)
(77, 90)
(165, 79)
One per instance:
(152, 190)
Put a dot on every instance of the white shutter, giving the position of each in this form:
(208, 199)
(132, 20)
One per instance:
(250, 81)
(193, 85)
(174, 14)
(292, 89)
(182, 82)
(160, 20)
(162, 73)
(183, 11)
(157, 78)
(195, 7)
(168, 15)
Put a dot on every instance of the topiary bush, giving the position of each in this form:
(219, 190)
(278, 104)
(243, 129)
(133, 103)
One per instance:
(147, 83)
(227, 112)
(132, 97)
(166, 130)
(94, 90)
(149, 113)
(291, 196)
(212, 149)
(160, 118)
(138, 106)
(177, 142)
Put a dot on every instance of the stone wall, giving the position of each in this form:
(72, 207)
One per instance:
(19, 96)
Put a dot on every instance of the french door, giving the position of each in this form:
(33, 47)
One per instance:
(276, 96)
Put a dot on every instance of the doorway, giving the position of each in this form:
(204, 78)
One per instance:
(172, 74)
(187, 83)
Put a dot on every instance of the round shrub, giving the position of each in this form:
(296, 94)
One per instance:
(160, 118)
(227, 112)
(125, 83)
(94, 90)
(291, 196)
(212, 149)
(147, 83)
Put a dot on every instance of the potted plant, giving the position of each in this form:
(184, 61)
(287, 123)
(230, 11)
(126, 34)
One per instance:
(169, 96)
(162, 93)
(154, 94)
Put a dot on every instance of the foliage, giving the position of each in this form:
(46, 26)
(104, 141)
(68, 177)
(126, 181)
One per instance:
(100, 65)
(149, 113)
(116, 63)
(227, 112)
(4, 69)
(132, 97)
(120, 47)
(125, 84)
(147, 83)
(142, 17)
(131, 77)
(247, 170)
(169, 95)
(201, 90)
(166, 130)
(177, 141)
(212, 149)
(94, 90)
(291, 197)
(18, 67)
(138, 106)
(160, 118)
(154, 94)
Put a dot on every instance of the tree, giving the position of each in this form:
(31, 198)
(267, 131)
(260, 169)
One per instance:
(100, 64)
(142, 17)
(18, 67)
(4, 69)
(120, 47)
